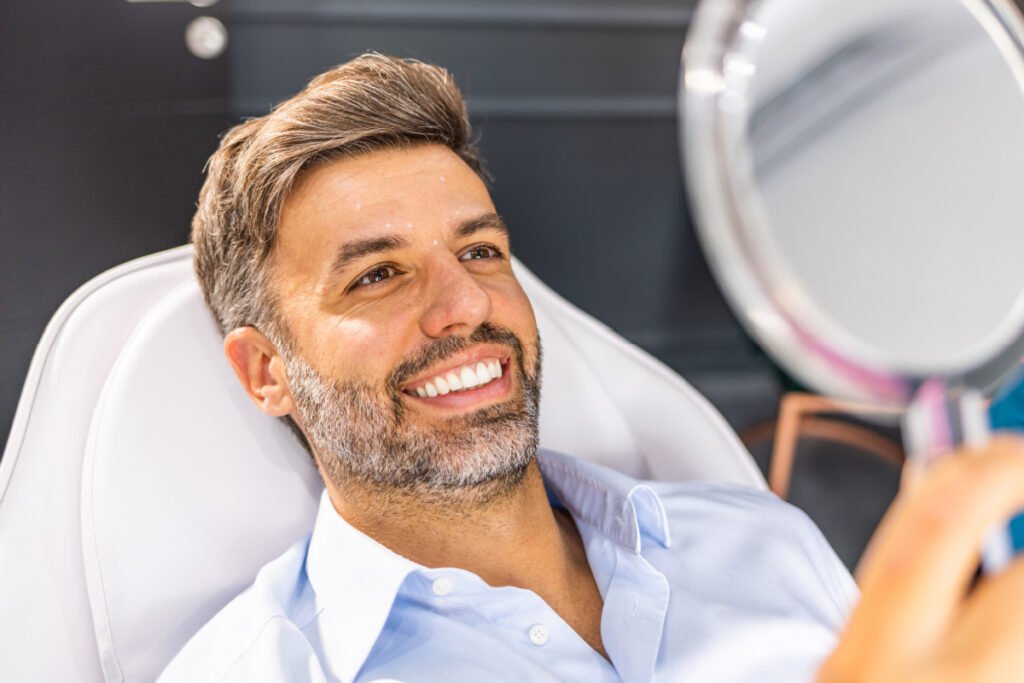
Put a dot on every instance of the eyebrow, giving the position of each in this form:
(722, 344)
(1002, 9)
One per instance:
(487, 221)
(353, 251)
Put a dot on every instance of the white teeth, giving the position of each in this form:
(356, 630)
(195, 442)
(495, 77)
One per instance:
(483, 375)
(465, 377)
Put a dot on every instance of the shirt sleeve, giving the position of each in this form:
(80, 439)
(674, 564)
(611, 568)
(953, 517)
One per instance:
(833, 576)
(834, 573)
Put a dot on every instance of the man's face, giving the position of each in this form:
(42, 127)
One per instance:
(414, 356)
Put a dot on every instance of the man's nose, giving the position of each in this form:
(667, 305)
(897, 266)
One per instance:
(457, 303)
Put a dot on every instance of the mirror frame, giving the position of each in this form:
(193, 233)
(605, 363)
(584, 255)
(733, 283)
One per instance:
(732, 224)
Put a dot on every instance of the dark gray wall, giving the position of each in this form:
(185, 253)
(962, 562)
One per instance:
(575, 103)
(106, 121)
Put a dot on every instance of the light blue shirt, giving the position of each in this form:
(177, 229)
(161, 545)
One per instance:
(701, 582)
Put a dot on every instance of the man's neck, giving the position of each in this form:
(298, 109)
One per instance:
(493, 540)
(515, 539)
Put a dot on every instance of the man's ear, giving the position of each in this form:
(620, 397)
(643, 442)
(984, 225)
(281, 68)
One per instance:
(260, 369)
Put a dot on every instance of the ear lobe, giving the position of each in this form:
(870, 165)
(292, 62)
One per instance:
(260, 370)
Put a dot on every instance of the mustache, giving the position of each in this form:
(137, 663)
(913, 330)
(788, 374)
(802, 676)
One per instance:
(442, 349)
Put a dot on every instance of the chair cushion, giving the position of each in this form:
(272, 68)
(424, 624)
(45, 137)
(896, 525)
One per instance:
(188, 489)
(46, 631)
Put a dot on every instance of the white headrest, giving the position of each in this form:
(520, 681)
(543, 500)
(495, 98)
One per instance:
(187, 489)
(180, 473)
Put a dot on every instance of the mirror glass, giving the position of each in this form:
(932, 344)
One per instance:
(889, 155)
(873, 153)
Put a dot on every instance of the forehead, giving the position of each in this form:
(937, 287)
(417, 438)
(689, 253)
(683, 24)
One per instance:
(418, 190)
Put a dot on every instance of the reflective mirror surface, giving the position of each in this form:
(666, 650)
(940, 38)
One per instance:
(866, 160)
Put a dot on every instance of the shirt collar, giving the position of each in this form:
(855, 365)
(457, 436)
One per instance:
(617, 505)
(356, 579)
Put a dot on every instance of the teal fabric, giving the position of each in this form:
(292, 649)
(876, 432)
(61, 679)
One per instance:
(1007, 409)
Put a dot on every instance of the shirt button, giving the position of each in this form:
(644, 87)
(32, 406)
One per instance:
(538, 634)
(442, 587)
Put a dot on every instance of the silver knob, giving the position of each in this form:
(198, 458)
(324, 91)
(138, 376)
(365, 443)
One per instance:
(206, 37)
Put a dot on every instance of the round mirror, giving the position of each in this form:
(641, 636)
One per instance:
(854, 168)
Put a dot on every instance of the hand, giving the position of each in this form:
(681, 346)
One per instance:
(918, 621)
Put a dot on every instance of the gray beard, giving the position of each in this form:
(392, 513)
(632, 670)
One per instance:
(360, 432)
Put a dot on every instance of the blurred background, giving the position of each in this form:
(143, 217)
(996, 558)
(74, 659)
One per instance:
(110, 110)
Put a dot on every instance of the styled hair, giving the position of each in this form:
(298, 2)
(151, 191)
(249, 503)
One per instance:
(371, 103)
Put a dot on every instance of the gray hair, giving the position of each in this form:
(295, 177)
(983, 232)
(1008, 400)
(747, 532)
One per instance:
(371, 103)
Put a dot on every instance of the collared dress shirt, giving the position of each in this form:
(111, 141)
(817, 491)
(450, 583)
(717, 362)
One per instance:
(701, 582)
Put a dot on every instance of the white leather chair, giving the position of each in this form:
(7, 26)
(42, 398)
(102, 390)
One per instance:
(140, 491)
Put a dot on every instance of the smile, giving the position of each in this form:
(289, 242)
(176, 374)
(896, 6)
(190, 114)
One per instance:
(458, 379)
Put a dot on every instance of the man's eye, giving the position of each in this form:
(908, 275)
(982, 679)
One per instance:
(375, 276)
(484, 251)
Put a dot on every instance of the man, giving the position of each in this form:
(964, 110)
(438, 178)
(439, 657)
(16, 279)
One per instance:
(350, 252)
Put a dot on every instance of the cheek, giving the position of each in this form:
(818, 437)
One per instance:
(512, 309)
(360, 350)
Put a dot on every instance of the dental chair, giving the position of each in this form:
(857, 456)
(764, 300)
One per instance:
(140, 490)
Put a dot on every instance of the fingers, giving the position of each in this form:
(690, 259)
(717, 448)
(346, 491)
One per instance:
(988, 635)
(925, 552)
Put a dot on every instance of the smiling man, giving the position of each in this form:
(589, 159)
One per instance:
(394, 269)
(348, 247)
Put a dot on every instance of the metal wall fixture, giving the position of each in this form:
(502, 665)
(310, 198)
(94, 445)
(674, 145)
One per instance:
(194, 3)
(206, 37)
